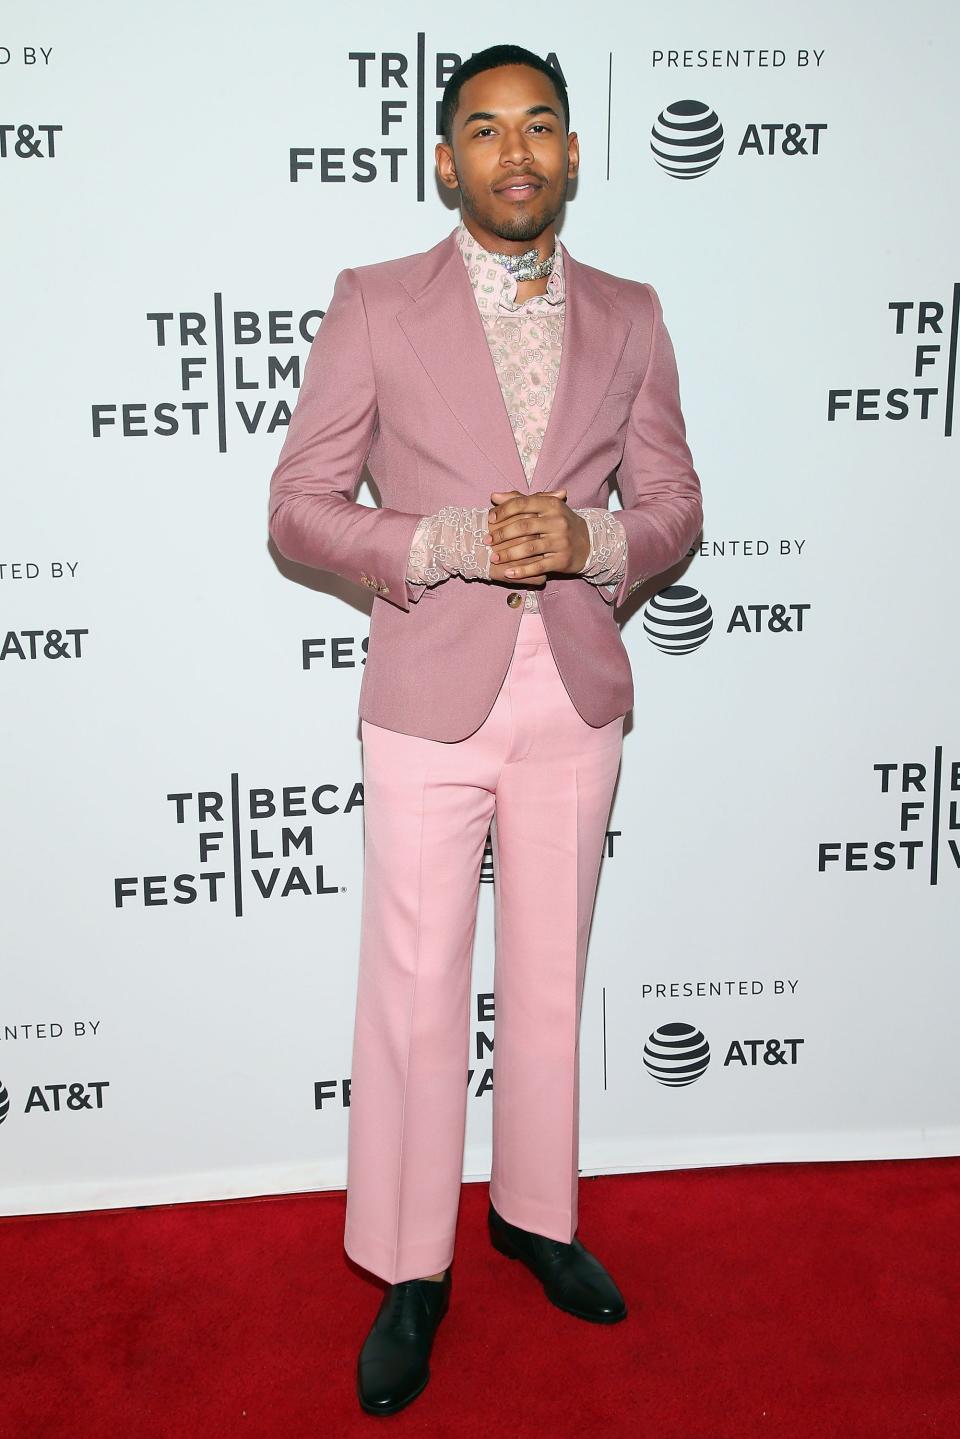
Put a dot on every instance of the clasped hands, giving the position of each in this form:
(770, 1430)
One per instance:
(534, 535)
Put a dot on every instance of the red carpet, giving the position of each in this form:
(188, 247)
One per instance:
(803, 1301)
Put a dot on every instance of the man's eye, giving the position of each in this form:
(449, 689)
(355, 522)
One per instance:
(487, 129)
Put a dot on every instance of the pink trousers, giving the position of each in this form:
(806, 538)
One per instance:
(545, 780)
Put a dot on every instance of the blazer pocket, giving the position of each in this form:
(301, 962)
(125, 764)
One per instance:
(623, 383)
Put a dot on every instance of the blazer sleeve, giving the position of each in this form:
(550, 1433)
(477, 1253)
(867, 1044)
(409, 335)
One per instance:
(662, 510)
(313, 517)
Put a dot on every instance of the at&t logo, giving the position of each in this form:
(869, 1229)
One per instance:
(677, 1053)
(22, 142)
(59, 1098)
(687, 139)
(679, 619)
(42, 644)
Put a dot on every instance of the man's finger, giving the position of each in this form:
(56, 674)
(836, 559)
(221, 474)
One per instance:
(518, 550)
(519, 501)
(526, 569)
(523, 525)
(506, 496)
(532, 579)
(518, 545)
(519, 509)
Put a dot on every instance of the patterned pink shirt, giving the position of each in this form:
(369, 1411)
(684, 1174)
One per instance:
(525, 342)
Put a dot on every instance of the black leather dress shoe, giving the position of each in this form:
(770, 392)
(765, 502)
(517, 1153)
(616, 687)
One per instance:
(393, 1366)
(571, 1277)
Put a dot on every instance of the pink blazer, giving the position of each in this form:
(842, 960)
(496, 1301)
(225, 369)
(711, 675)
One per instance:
(399, 378)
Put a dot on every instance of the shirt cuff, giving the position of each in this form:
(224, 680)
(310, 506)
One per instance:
(607, 558)
(450, 542)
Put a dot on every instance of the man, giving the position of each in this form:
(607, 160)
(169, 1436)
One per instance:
(496, 681)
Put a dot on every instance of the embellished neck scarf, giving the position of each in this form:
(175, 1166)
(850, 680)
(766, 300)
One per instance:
(526, 266)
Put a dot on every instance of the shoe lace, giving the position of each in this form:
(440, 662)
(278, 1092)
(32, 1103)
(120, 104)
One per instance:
(406, 1304)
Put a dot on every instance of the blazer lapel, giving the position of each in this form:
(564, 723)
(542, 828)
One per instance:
(444, 327)
(594, 335)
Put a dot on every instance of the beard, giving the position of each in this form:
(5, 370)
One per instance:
(526, 224)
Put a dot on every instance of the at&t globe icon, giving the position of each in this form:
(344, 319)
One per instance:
(687, 139)
(676, 1054)
(678, 619)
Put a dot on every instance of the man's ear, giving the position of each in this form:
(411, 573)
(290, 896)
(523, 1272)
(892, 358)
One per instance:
(442, 148)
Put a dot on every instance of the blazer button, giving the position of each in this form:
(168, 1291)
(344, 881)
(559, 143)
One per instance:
(513, 599)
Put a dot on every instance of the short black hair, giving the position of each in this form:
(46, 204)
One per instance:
(491, 59)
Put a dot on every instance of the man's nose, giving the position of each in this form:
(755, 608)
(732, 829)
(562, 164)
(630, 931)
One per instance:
(515, 150)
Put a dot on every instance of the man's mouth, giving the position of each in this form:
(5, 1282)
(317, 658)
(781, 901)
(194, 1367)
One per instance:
(518, 189)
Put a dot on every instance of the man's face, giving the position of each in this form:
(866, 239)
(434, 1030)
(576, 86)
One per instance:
(509, 126)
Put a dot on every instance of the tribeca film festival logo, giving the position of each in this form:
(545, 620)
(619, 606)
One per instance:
(335, 1094)
(687, 139)
(406, 91)
(222, 363)
(678, 1054)
(335, 652)
(679, 619)
(66, 1098)
(487, 875)
(926, 802)
(242, 839)
(921, 323)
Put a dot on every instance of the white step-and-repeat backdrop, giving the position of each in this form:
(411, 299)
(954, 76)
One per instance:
(183, 804)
